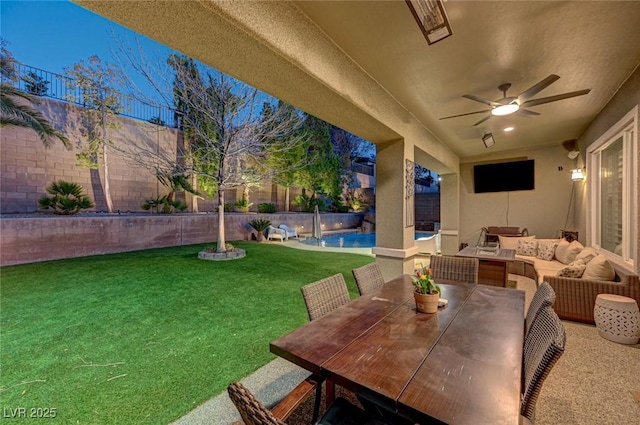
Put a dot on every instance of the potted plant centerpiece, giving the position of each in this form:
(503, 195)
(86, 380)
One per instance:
(426, 291)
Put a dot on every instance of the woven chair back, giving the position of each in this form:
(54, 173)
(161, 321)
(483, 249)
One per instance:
(542, 349)
(449, 269)
(544, 296)
(252, 411)
(368, 278)
(325, 295)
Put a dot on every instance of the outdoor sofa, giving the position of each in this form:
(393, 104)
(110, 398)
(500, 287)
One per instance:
(575, 296)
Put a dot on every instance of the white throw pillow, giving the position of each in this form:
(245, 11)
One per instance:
(547, 250)
(567, 252)
(575, 269)
(599, 268)
(527, 247)
(511, 242)
(587, 255)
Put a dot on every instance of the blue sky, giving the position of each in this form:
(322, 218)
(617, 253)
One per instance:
(52, 35)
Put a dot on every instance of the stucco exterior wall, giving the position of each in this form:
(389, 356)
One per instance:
(543, 211)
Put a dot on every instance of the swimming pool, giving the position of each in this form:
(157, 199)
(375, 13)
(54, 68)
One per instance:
(352, 240)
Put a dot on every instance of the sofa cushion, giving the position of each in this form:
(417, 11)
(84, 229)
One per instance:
(587, 255)
(599, 268)
(511, 242)
(567, 251)
(528, 247)
(546, 268)
(546, 250)
(575, 269)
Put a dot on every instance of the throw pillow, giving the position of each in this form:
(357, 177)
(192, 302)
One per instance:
(567, 251)
(599, 268)
(575, 269)
(527, 247)
(587, 255)
(561, 251)
(511, 242)
(547, 250)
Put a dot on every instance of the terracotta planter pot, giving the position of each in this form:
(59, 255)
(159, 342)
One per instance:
(426, 303)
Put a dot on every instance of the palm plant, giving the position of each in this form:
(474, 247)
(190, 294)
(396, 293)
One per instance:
(14, 111)
(66, 198)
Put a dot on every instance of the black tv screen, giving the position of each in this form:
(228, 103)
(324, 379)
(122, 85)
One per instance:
(504, 176)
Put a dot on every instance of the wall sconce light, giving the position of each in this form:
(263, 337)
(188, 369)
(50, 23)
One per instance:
(488, 140)
(577, 174)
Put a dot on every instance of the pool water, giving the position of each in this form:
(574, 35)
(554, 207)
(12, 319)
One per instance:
(352, 240)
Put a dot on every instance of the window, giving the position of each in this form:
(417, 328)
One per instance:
(612, 210)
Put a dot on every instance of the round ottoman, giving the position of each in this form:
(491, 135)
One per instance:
(617, 318)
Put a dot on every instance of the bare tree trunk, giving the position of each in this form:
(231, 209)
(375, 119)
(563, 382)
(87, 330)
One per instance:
(194, 198)
(286, 199)
(221, 241)
(107, 189)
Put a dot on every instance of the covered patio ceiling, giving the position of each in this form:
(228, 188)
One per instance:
(355, 63)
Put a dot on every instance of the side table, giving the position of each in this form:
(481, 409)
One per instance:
(617, 318)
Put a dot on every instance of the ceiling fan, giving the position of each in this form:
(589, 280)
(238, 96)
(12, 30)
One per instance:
(517, 104)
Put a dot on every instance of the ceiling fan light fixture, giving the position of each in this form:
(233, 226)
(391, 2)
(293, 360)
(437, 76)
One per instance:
(507, 109)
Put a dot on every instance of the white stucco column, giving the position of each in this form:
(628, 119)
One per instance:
(449, 213)
(395, 247)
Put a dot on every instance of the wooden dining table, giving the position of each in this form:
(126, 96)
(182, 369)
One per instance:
(461, 365)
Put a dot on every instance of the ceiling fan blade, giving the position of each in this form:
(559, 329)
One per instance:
(468, 113)
(542, 100)
(537, 88)
(483, 120)
(481, 100)
(526, 113)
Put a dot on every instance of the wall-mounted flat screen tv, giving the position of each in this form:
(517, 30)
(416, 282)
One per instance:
(504, 176)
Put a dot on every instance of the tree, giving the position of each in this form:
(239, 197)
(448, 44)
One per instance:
(94, 86)
(14, 105)
(35, 84)
(229, 131)
(323, 173)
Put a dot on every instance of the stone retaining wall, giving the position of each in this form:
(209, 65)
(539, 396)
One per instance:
(42, 238)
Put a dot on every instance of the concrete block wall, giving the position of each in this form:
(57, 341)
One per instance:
(27, 167)
(29, 240)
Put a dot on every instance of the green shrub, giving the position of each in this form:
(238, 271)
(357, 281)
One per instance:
(243, 205)
(163, 205)
(307, 204)
(260, 225)
(66, 198)
(228, 207)
(267, 208)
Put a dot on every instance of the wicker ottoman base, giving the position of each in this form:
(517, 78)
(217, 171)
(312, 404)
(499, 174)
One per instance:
(617, 318)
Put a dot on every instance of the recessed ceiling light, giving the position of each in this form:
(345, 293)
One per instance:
(508, 129)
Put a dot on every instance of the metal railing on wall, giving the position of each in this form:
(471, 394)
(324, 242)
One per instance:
(39, 82)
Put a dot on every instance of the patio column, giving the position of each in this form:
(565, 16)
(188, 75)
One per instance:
(449, 213)
(395, 247)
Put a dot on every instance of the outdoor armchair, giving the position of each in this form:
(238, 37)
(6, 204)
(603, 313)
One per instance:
(275, 233)
(291, 232)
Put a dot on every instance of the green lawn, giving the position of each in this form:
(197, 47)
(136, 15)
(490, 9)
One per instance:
(144, 337)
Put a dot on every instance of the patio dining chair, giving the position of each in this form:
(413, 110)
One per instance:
(368, 278)
(450, 269)
(544, 296)
(325, 295)
(542, 349)
(253, 412)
